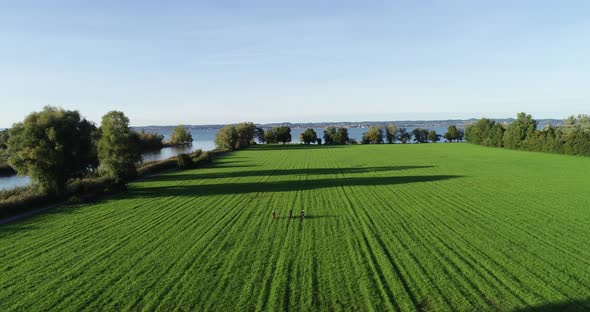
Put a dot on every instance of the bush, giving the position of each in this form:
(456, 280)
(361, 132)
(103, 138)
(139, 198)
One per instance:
(183, 161)
(156, 166)
(197, 153)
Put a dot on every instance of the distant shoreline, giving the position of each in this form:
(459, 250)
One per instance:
(363, 124)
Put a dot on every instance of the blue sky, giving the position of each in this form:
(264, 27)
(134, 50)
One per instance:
(202, 62)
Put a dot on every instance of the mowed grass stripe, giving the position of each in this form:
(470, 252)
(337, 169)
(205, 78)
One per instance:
(390, 228)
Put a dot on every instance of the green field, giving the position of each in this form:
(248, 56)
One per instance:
(388, 227)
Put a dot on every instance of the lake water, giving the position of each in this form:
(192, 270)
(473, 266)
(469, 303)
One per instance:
(202, 139)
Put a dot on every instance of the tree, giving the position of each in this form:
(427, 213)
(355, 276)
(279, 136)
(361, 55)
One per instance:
(283, 134)
(150, 141)
(420, 135)
(336, 136)
(259, 134)
(246, 131)
(485, 132)
(373, 136)
(404, 135)
(181, 135)
(235, 137)
(391, 133)
(319, 140)
(226, 138)
(52, 146)
(278, 135)
(308, 136)
(433, 137)
(4, 139)
(524, 126)
(118, 148)
(453, 134)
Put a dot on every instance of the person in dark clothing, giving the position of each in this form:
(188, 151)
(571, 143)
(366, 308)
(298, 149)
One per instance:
(274, 214)
(290, 213)
(302, 214)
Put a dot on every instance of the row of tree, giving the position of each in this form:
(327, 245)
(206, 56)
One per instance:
(234, 137)
(572, 137)
(391, 134)
(55, 145)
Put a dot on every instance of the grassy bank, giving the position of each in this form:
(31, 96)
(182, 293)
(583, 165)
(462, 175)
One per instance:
(444, 227)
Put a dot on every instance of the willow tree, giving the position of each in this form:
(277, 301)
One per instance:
(52, 146)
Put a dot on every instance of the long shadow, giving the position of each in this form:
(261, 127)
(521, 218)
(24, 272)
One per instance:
(574, 305)
(280, 186)
(277, 147)
(279, 172)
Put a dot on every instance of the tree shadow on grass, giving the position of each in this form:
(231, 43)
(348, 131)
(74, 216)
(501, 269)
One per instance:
(279, 186)
(279, 172)
(278, 147)
(566, 306)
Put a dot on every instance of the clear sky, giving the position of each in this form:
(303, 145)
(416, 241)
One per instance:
(203, 62)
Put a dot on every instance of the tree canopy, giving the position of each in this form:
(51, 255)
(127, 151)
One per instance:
(308, 136)
(404, 135)
(391, 133)
(235, 137)
(420, 135)
(52, 146)
(573, 137)
(181, 135)
(453, 134)
(281, 134)
(517, 132)
(433, 137)
(373, 136)
(118, 147)
(336, 136)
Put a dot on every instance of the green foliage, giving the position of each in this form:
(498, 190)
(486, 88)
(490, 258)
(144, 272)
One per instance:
(485, 132)
(118, 148)
(4, 139)
(336, 136)
(259, 134)
(150, 141)
(391, 133)
(246, 133)
(524, 126)
(52, 147)
(433, 137)
(23, 199)
(308, 136)
(235, 137)
(373, 136)
(571, 138)
(181, 135)
(280, 134)
(404, 135)
(456, 227)
(420, 135)
(453, 134)
(227, 138)
(183, 161)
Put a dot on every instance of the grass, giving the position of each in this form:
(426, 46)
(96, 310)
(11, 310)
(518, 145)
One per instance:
(437, 227)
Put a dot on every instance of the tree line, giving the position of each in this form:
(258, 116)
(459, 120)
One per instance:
(391, 134)
(234, 137)
(572, 137)
(54, 146)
